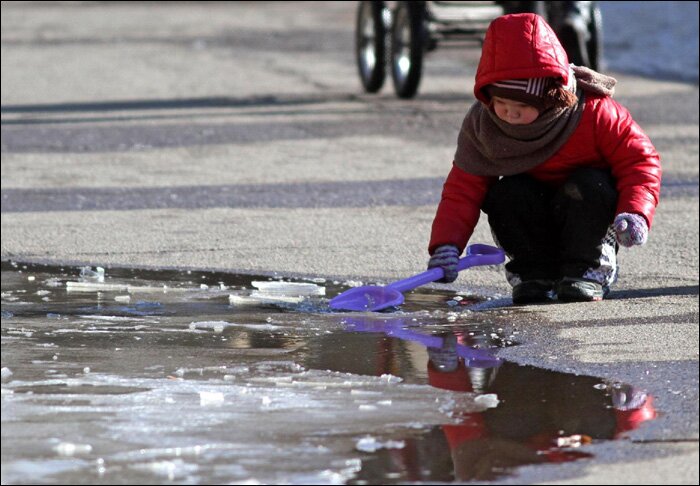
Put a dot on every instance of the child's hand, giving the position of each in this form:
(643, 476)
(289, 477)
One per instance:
(446, 257)
(630, 229)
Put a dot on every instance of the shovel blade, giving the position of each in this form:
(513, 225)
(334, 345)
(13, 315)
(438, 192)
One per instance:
(367, 298)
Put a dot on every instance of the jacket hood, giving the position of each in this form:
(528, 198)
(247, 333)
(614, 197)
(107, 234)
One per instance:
(519, 46)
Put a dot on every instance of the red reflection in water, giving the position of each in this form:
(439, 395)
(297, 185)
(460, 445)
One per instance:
(541, 416)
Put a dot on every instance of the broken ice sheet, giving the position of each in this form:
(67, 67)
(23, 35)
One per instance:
(105, 287)
(371, 444)
(257, 298)
(6, 374)
(488, 400)
(87, 274)
(289, 288)
(276, 292)
(71, 449)
(219, 326)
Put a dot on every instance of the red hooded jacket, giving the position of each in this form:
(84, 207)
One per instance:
(524, 46)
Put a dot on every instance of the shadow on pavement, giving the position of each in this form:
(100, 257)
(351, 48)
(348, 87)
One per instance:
(658, 292)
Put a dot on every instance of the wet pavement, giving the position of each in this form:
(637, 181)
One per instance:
(200, 377)
(235, 136)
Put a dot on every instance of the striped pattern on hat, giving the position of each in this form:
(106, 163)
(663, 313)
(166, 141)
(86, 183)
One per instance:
(571, 85)
(532, 86)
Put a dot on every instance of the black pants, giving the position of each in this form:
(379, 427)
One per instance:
(552, 233)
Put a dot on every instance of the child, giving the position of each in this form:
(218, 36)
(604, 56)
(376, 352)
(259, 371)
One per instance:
(561, 169)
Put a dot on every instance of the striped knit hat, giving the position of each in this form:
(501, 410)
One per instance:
(530, 91)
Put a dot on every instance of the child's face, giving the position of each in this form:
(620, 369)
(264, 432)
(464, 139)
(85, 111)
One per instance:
(514, 112)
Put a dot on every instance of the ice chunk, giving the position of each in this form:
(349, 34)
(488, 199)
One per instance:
(216, 326)
(371, 444)
(289, 288)
(103, 287)
(366, 392)
(489, 400)
(276, 298)
(71, 449)
(241, 300)
(257, 298)
(108, 318)
(390, 379)
(6, 374)
(95, 287)
(90, 275)
(219, 326)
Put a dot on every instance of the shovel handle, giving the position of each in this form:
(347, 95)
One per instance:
(477, 254)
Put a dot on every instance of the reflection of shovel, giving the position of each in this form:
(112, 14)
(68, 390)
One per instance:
(373, 297)
(473, 358)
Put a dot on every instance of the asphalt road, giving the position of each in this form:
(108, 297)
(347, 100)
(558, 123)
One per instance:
(235, 136)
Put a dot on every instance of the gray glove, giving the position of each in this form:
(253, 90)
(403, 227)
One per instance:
(630, 229)
(446, 257)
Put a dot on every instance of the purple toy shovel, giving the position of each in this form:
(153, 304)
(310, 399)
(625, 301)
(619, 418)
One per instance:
(374, 297)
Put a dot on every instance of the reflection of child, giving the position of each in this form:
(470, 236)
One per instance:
(561, 169)
(542, 416)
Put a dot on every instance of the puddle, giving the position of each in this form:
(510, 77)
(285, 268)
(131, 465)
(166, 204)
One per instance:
(142, 377)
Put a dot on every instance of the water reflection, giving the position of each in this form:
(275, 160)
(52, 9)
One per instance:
(437, 345)
(538, 416)
(87, 366)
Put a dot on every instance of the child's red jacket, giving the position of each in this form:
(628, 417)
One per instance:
(607, 137)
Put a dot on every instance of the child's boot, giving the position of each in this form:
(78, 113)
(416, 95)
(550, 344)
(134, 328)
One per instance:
(571, 289)
(532, 291)
(592, 284)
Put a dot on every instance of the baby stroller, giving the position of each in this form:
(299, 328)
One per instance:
(395, 36)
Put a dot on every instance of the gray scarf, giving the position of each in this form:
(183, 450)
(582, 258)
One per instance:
(488, 146)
